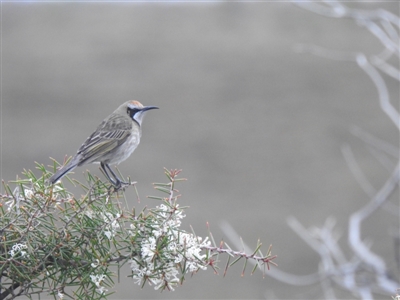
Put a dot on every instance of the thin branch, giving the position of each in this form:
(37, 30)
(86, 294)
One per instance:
(355, 241)
(380, 85)
(296, 280)
(375, 142)
(356, 171)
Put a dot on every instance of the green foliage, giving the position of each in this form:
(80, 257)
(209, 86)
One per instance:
(55, 243)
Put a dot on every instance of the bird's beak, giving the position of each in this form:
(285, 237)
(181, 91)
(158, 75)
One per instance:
(148, 108)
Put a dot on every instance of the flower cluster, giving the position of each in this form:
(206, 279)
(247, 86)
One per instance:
(18, 198)
(98, 280)
(78, 240)
(18, 249)
(165, 251)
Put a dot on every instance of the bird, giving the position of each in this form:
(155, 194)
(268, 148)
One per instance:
(112, 142)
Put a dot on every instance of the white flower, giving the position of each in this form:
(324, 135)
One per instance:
(10, 204)
(172, 247)
(165, 249)
(113, 224)
(95, 264)
(60, 295)
(28, 193)
(139, 280)
(108, 234)
(157, 232)
(158, 283)
(97, 280)
(18, 248)
(171, 273)
(101, 290)
(178, 258)
(134, 265)
(148, 249)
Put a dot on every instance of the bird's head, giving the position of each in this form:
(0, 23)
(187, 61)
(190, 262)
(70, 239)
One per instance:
(136, 110)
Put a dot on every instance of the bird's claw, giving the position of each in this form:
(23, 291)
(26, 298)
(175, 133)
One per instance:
(121, 185)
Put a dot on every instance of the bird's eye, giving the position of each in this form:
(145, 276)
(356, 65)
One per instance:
(132, 111)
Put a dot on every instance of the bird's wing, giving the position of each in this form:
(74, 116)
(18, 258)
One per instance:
(109, 135)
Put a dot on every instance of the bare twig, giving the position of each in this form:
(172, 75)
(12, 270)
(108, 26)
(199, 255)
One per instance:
(362, 271)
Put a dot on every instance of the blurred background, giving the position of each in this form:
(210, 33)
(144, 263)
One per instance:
(256, 126)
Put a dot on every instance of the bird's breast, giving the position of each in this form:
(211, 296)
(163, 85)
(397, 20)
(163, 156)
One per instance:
(126, 148)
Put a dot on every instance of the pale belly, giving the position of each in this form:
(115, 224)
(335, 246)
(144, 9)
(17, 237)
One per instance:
(120, 153)
(125, 150)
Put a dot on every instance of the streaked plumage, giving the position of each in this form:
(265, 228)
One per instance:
(112, 142)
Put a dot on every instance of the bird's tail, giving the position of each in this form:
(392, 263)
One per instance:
(62, 172)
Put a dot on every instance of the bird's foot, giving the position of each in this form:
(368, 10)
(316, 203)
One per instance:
(121, 185)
